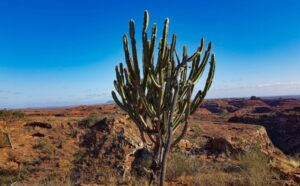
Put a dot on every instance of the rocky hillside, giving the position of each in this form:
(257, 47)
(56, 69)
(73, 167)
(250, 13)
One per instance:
(241, 141)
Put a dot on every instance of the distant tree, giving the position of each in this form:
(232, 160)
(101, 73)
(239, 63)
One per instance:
(159, 99)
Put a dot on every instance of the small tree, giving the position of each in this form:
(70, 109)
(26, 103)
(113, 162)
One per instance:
(160, 100)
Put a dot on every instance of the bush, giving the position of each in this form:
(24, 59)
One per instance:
(251, 169)
(180, 164)
(44, 147)
(297, 157)
(8, 114)
(256, 168)
(9, 176)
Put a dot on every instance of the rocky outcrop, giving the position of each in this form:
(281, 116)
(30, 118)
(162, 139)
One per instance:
(260, 110)
(283, 129)
(242, 103)
(283, 103)
(109, 144)
(232, 138)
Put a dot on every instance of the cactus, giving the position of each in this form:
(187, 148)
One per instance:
(159, 99)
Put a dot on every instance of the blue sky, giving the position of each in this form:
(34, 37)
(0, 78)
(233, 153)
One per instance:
(56, 52)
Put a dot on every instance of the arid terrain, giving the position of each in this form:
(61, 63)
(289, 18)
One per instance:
(229, 142)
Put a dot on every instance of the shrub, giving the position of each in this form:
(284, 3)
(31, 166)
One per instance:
(256, 168)
(9, 176)
(44, 147)
(9, 114)
(253, 169)
(181, 164)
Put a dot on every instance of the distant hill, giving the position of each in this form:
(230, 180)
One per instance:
(110, 102)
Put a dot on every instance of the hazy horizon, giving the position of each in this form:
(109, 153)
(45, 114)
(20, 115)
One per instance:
(62, 53)
(62, 105)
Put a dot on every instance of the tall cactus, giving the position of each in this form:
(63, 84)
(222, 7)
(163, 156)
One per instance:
(159, 99)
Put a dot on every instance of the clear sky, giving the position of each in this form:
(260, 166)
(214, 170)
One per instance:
(60, 52)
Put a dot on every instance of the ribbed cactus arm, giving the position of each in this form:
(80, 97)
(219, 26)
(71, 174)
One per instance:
(201, 94)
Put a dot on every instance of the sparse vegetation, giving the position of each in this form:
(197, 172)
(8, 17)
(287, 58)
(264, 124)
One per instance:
(9, 176)
(44, 147)
(100, 154)
(181, 164)
(297, 157)
(196, 134)
(294, 160)
(79, 154)
(256, 168)
(253, 169)
(51, 179)
(11, 115)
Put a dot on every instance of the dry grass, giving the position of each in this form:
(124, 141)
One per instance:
(252, 169)
(138, 182)
(44, 147)
(180, 164)
(9, 176)
(296, 158)
(293, 162)
(256, 169)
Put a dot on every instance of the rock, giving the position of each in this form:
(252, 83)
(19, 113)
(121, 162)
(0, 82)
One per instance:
(231, 108)
(142, 163)
(297, 178)
(245, 103)
(254, 98)
(283, 103)
(262, 110)
(296, 109)
(229, 168)
(39, 124)
(214, 108)
(184, 144)
(282, 128)
(38, 134)
(221, 145)
(108, 145)
(100, 125)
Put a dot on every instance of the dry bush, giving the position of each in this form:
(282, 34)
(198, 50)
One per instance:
(256, 169)
(134, 181)
(44, 147)
(9, 176)
(217, 179)
(253, 169)
(8, 114)
(180, 164)
(297, 157)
